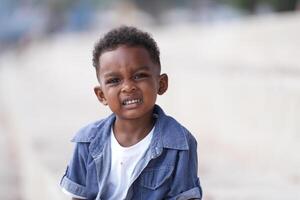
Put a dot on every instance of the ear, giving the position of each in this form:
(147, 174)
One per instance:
(163, 84)
(100, 95)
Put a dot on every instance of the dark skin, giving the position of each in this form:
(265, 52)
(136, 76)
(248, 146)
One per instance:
(129, 84)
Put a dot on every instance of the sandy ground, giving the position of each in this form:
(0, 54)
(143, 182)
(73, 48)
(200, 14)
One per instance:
(236, 86)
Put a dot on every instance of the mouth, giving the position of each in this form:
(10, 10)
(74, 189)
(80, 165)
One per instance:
(131, 101)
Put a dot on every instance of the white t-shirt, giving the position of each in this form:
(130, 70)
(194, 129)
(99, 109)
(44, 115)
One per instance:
(123, 162)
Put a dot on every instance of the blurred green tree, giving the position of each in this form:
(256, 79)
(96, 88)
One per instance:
(284, 5)
(251, 5)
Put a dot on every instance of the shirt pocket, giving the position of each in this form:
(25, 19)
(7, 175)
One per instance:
(153, 178)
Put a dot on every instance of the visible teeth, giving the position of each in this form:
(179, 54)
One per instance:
(131, 101)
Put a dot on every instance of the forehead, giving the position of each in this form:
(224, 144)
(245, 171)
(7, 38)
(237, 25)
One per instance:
(126, 56)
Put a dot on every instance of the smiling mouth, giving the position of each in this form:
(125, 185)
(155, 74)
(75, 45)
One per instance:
(132, 101)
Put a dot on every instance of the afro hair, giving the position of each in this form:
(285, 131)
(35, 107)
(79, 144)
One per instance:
(129, 36)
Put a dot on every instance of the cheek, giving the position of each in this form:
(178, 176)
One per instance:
(151, 91)
(111, 95)
(151, 85)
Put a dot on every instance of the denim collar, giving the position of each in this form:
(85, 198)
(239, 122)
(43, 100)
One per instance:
(168, 133)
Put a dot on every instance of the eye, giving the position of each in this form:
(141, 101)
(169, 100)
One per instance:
(140, 76)
(112, 81)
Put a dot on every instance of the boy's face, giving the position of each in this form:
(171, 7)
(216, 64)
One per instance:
(129, 82)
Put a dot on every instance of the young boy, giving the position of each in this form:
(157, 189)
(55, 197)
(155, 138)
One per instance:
(138, 152)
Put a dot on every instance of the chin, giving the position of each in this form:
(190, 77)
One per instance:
(130, 116)
(133, 114)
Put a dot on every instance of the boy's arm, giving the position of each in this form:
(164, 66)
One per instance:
(73, 182)
(186, 184)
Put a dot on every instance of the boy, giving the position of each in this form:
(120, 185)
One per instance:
(138, 152)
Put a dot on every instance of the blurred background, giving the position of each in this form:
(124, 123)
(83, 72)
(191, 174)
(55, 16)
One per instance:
(234, 72)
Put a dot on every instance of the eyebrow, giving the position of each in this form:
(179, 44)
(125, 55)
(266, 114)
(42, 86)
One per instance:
(108, 74)
(111, 73)
(145, 67)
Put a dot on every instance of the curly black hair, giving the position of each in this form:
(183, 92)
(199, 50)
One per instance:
(125, 35)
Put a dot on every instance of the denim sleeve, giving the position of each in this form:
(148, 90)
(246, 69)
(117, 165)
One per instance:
(74, 180)
(186, 184)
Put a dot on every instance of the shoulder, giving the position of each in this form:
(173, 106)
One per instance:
(180, 131)
(87, 133)
(174, 134)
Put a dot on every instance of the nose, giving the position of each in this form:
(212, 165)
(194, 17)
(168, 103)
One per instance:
(128, 86)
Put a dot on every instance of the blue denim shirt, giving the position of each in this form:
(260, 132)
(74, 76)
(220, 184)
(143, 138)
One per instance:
(167, 171)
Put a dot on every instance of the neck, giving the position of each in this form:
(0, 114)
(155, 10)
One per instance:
(130, 131)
